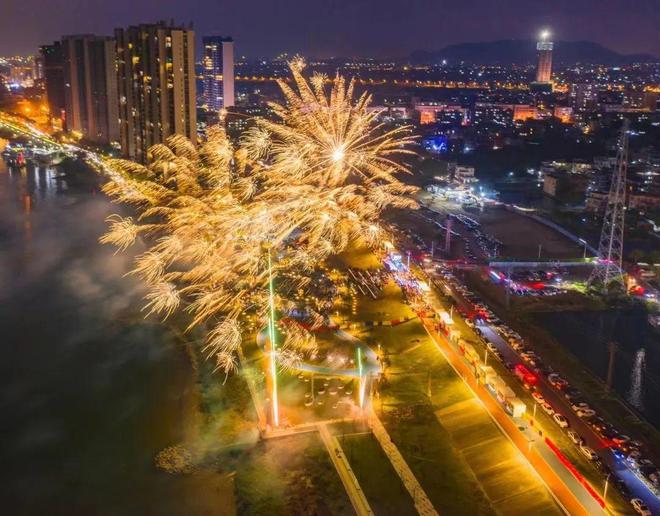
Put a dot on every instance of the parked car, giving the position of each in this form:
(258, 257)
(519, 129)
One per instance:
(575, 437)
(546, 370)
(608, 433)
(621, 439)
(598, 424)
(640, 507)
(628, 447)
(579, 405)
(572, 392)
(586, 413)
(557, 381)
(560, 420)
(547, 408)
(588, 452)
(538, 397)
(517, 345)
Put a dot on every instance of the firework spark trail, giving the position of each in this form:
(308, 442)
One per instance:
(305, 186)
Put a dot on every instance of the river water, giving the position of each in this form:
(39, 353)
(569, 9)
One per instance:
(89, 390)
(637, 366)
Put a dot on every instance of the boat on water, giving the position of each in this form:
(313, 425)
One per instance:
(18, 154)
(46, 157)
(14, 154)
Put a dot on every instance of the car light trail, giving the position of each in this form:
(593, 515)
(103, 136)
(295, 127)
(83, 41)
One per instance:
(574, 472)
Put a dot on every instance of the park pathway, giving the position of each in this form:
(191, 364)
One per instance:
(351, 484)
(422, 502)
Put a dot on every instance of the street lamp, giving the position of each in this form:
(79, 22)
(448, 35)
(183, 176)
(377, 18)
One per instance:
(584, 245)
(607, 483)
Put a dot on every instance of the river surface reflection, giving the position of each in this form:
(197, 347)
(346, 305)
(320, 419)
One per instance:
(637, 366)
(89, 390)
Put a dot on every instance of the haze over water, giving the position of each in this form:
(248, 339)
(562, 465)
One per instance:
(89, 390)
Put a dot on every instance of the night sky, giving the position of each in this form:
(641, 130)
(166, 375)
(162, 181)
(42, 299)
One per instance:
(379, 28)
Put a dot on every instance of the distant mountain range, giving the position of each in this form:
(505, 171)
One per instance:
(523, 52)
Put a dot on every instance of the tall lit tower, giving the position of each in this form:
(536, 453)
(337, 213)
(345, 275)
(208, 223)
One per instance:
(53, 66)
(544, 48)
(90, 87)
(156, 83)
(218, 72)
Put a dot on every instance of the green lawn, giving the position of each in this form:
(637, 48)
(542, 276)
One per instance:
(291, 475)
(409, 417)
(428, 449)
(469, 469)
(360, 258)
(451, 433)
(386, 308)
(379, 482)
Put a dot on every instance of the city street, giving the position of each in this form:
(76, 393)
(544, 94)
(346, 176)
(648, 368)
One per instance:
(569, 493)
(554, 397)
(577, 497)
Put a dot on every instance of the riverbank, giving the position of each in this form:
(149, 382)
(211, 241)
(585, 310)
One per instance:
(92, 391)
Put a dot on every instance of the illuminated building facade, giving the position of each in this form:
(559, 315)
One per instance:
(544, 68)
(584, 96)
(90, 87)
(156, 81)
(503, 114)
(218, 72)
(431, 112)
(53, 70)
(522, 112)
(564, 114)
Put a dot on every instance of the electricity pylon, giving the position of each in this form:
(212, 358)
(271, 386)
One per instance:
(608, 269)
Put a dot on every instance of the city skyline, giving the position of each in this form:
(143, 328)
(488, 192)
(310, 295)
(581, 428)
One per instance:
(320, 29)
(329, 257)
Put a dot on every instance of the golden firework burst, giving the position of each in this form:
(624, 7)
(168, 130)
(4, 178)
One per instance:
(305, 186)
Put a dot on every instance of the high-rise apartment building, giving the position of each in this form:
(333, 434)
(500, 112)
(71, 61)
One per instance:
(156, 80)
(544, 69)
(584, 96)
(38, 67)
(90, 87)
(53, 71)
(218, 72)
